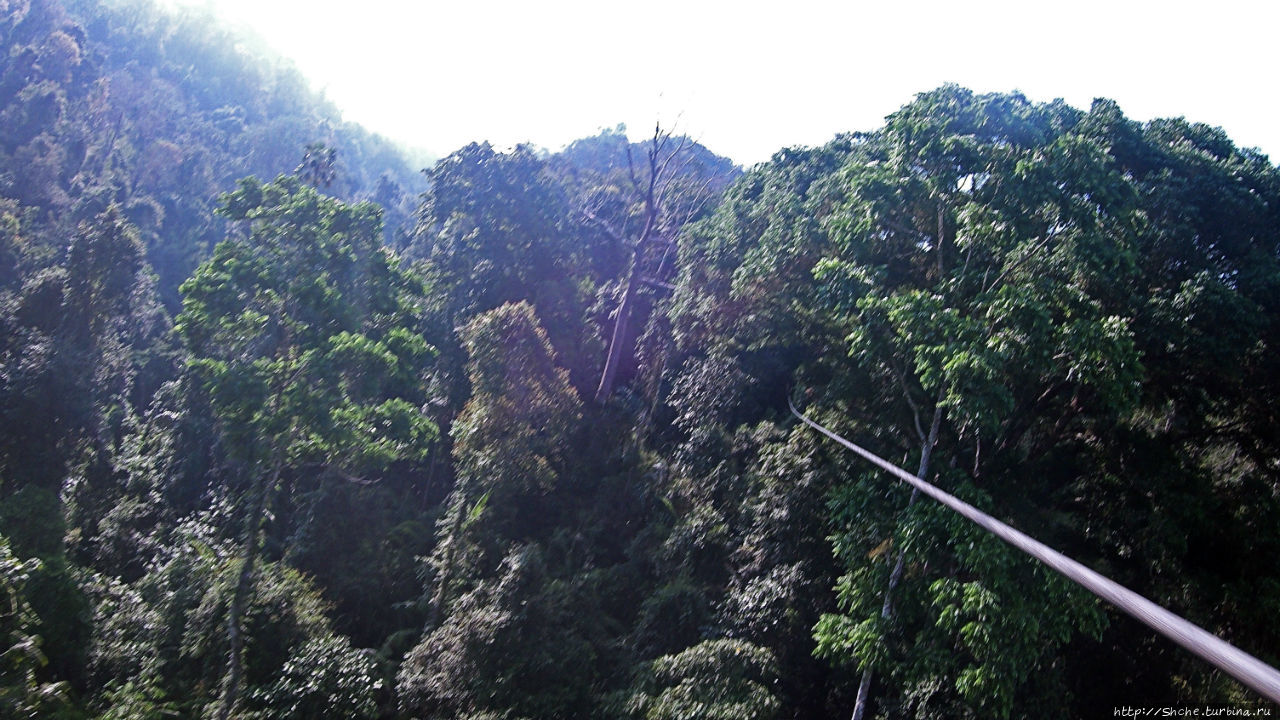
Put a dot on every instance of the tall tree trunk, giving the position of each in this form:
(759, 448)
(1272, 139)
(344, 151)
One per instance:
(895, 575)
(244, 587)
(621, 328)
(446, 566)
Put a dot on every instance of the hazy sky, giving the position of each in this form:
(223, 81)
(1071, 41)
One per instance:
(749, 78)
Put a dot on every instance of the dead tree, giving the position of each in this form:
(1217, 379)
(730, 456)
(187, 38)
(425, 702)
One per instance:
(658, 225)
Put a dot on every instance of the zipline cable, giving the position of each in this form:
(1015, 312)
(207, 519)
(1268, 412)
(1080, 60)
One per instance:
(1232, 660)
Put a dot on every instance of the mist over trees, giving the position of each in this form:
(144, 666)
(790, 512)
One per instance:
(289, 429)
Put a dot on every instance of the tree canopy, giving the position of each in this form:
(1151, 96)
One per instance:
(511, 439)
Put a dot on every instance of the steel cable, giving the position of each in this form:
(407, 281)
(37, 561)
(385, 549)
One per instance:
(1232, 660)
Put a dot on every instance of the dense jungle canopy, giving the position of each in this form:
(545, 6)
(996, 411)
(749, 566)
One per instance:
(291, 430)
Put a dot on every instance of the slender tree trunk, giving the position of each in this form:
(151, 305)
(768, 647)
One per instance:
(239, 599)
(623, 323)
(895, 575)
(942, 237)
(446, 567)
(620, 329)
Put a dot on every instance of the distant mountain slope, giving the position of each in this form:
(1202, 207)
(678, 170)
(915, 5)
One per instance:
(123, 103)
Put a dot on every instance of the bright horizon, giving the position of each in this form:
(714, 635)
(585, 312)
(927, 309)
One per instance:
(747, 80)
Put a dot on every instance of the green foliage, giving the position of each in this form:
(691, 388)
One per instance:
(521, 642)
(159, 111)
(509, 445)
(103, 264)
(302, 336)
(22, 693)
(362, 545)
(493, 228)
(1013, 266)
(670, 619)
(325, 678)
(992, 292)
(511, 436)
(497, 228)
(714, 680)
(79, 334)
(160, 644)
(1087, 304)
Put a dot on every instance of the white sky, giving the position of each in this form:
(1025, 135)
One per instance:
(749, 78)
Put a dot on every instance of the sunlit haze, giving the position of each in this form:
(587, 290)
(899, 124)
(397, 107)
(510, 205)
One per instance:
(748, 79)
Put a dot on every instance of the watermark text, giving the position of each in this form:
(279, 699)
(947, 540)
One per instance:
(1190, 711)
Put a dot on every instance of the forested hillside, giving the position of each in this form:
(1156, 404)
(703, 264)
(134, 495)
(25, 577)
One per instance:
(290, 430)
(118, 103)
